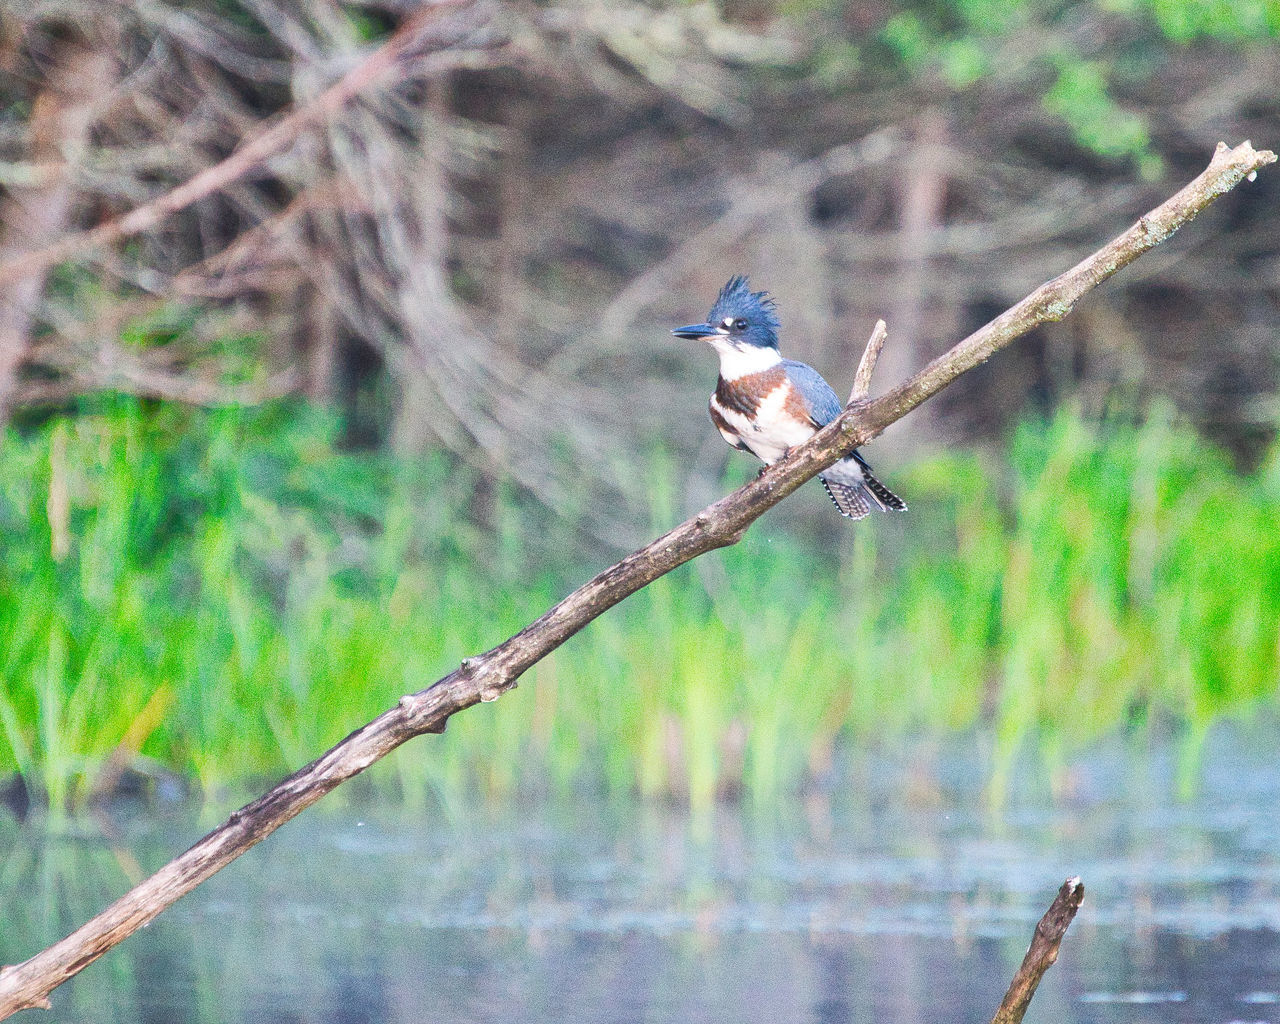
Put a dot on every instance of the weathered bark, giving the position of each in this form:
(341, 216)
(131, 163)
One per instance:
(1043, 952)
(489, 675)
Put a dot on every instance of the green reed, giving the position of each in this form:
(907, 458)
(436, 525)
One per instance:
(224, 594)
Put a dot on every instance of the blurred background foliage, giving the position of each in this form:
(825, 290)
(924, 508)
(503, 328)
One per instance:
(303, 443)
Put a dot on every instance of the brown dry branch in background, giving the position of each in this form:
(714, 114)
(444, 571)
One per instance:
(487, 676)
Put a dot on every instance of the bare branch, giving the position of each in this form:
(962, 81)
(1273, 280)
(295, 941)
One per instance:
(1043, 952)
(867, 365)
(489, 675)
(260, 147)
(150, 383)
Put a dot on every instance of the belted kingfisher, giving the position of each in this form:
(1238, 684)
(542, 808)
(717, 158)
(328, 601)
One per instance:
(766, 405)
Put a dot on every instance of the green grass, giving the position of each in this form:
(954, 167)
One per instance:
(225, 594)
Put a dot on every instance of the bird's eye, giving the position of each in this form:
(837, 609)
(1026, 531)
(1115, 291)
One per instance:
(739, 324)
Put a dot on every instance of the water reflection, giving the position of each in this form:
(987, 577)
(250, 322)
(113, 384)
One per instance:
(873, 904)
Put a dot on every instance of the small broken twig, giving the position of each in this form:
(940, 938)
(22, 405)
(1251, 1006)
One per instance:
(1043, 952)
(867, 364)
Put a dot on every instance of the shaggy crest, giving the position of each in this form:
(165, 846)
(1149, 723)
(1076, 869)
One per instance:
(736, 300)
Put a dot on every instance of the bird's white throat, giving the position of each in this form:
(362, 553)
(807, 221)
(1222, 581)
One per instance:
(743, 360)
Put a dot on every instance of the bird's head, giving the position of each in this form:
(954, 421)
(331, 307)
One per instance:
(740, 319)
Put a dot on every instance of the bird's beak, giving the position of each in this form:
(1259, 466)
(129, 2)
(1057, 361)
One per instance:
(696, 331)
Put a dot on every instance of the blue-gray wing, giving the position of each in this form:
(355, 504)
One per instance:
(823, 405)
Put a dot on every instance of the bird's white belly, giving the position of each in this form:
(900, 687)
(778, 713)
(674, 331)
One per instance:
(773, 431)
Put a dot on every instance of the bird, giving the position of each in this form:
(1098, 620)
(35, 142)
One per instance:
(766, 405)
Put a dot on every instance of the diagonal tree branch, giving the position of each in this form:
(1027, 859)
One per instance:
(489, 675)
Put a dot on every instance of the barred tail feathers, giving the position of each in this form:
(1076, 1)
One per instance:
(856, 492)
(850, 501)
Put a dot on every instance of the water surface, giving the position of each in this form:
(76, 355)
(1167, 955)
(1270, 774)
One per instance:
(896, 897)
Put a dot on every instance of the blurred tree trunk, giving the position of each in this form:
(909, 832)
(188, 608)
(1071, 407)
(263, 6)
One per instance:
(429, 312)
(34, 215)
(318, 345)
(921, 201)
